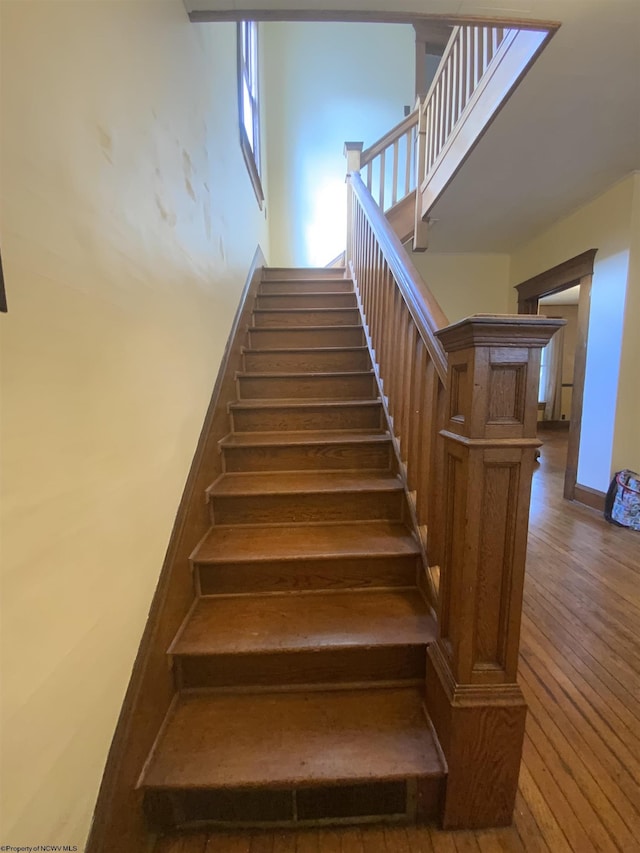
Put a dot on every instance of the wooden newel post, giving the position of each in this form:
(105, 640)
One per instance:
(353, 153)
(489, 443)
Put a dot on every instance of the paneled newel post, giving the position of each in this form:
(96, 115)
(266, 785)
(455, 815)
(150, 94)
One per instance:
(353, 153)
(489, 444)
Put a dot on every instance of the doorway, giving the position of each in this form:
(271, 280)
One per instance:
(574, 273)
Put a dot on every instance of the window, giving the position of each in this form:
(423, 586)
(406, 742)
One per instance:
(249, 103)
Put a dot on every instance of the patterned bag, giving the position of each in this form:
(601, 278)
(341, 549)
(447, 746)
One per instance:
(622, 504)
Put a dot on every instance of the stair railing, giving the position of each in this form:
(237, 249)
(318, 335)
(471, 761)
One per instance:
(402, 319)
(407, 170)
(462, 404)
(389, 166)
(465, 61)
(480, 68)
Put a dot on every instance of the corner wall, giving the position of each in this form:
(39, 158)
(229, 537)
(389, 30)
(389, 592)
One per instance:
(626, 444)
(325, 84)
(128, 227)
(465, 284)
(604, 223)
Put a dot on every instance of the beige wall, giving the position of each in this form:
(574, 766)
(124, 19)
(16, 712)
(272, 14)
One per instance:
(123, 192)
(466, 284)
(605, 223)
(326, 84)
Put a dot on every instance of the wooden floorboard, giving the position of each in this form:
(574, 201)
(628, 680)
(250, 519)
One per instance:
(580, 673)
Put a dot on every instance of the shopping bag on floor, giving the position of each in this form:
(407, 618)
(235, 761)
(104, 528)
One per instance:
(622, 504)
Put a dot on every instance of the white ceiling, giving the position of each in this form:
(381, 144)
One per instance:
(571, 130)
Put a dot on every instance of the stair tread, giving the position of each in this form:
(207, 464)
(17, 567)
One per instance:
(274, 350)
(337, 271)
(228, 543)
(305, 621)
(303, 482)
(297, 738)
(275, 439)
(297, 374)
(288, 402)
(322, 327)
(306, 293)
(330, 310)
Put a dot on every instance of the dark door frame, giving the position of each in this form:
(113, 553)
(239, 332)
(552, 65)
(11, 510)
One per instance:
(578, 270)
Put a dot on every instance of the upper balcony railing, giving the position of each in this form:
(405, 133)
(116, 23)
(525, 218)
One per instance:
(409, 168)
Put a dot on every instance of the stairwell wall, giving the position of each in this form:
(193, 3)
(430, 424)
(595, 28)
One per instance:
(466, 283)
(123, 187)
(325, 84)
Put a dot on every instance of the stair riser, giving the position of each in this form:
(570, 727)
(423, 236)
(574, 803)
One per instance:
(399, 801)
(358, 387)
(333, 666)
(303, 274)
(306, 300)
(315, 317)
(308, 418)
(306, 286)
(326, 506)
(304, 575)
(307, 361)
(265, 338)
(308, 457)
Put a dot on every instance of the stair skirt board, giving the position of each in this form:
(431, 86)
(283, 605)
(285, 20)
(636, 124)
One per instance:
(299, 670)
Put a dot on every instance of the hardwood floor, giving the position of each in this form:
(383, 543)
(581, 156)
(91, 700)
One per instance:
(580, 673)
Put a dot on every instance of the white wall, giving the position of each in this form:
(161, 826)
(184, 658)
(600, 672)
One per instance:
(128, 226)
(325, 84)
(466, 284)
(604, 223)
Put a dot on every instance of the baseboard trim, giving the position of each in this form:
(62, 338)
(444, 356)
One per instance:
(590, 497)
(564, 424)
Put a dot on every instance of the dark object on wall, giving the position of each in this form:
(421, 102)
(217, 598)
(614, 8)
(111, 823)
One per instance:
(622, 504)
(3, 295)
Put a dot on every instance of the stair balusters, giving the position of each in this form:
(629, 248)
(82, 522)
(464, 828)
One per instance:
(462, 401)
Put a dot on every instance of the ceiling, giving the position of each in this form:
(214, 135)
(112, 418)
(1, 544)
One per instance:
(570, 131)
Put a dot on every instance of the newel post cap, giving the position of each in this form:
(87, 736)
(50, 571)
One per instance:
(499, 330)
(352, 146)
(353, 152)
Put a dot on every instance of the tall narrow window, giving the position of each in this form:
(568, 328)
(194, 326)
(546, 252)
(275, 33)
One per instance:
(249, 103)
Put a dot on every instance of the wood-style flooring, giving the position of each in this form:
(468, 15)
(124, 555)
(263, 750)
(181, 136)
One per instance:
(580, 673)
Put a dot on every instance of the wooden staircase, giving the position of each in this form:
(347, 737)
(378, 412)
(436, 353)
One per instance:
(300, 668)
